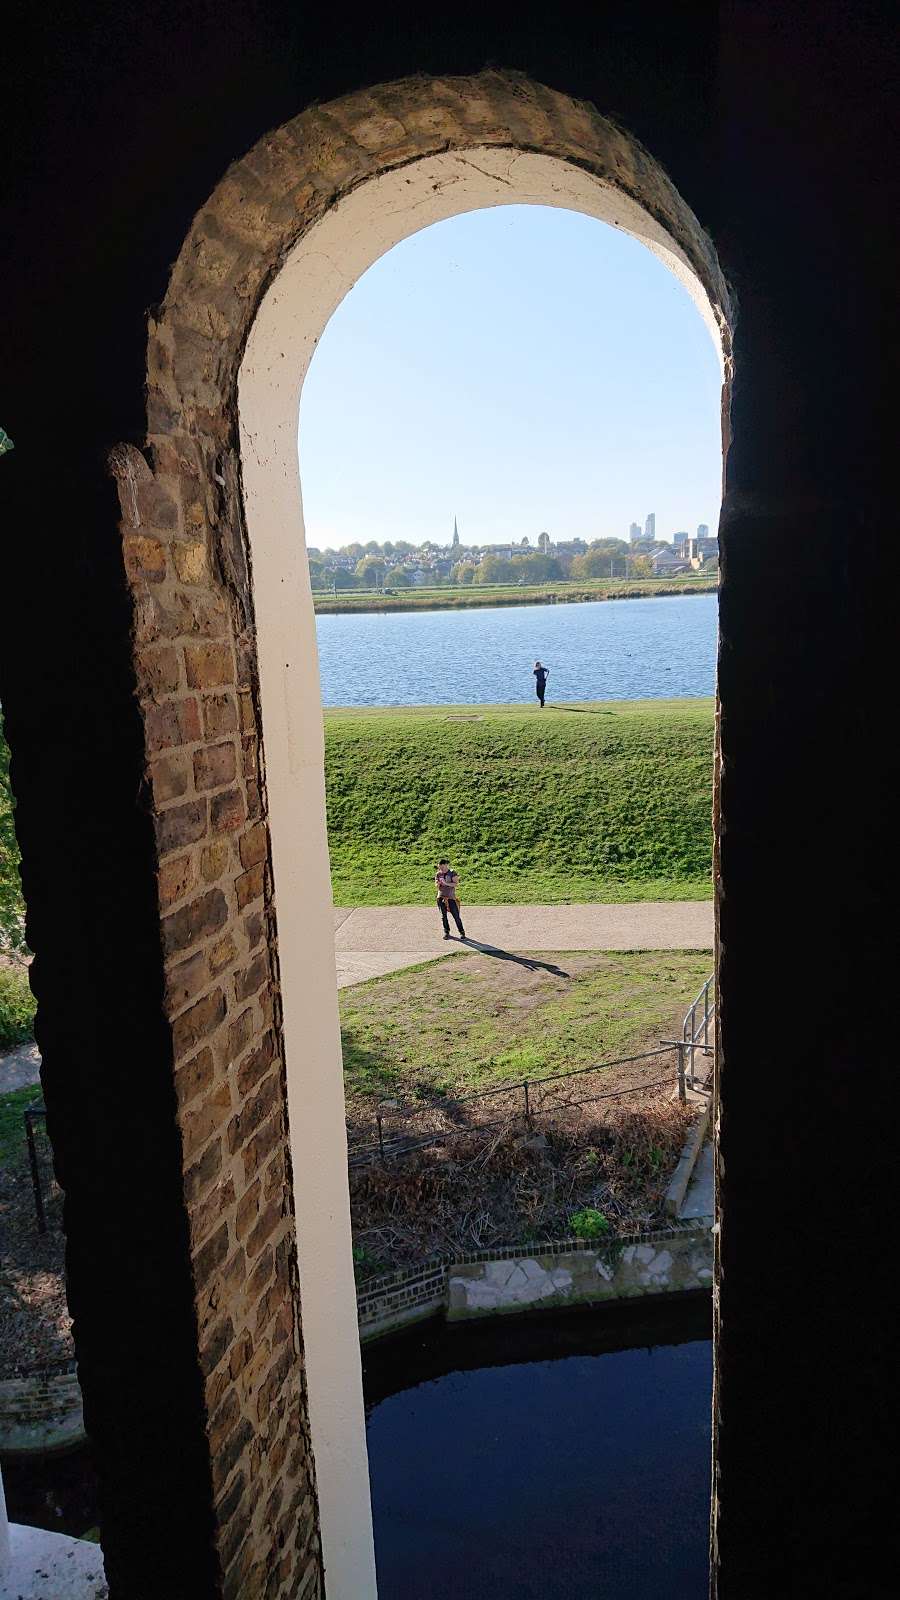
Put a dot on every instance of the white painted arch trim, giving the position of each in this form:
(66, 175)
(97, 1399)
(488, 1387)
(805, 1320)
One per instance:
(321, 269)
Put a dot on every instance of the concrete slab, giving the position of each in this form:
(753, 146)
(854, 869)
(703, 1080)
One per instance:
(51, 1566)
(700, 1200)
(358, 966)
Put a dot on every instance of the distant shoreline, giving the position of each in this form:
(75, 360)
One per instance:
(473, 599)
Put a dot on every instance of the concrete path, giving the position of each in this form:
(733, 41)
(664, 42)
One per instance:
(700, 1200)
(373, 940)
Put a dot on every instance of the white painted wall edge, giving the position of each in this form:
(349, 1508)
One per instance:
(321, 269)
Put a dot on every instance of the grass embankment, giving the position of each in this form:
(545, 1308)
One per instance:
(476, 1023)
(458, 1026)
(598, 802)
(466, 596)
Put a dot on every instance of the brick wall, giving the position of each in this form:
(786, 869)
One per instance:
(187, 566)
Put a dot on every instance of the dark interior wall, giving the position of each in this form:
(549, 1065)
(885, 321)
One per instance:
(772, 124)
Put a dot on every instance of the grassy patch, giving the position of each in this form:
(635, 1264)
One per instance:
(12, 1126)
(17, 1006)
(448, 597)
(598, 802)
(474, 1022)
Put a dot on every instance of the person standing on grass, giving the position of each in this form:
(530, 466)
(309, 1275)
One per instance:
(446, 881)
(541, 674)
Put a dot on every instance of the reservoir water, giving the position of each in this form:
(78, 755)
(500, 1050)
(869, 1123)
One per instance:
(663, 648)
(566, 1459)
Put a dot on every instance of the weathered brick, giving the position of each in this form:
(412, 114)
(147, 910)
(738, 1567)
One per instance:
(190, 560)
(195, 1076)
(225, 1418)
(222, 954)
(145, 557)
(257, 1148)
(220, 717)
(198, 1022)
(272, 1385)
(185, 981)
(249, 886)
(240, 1032)
(214, 765)
(227, 811)
(169, 777)
(261, 1275)
(252, 978)
(200, 917)
(253, 845)
(176, 878)
(181, 825)
(174, 722)
(273, 1176)
(240, 1355)
(159, 669)
(251, 1115)
(247, 1210)
(254, 800)
(201, 613)
(200, 1122)
(226, 1459)
(248, 712)
(156, 509)
(248, 757)
(205, 1214)
(198, 1178)
(255, 1064)
(265, 1227)
(215, 1343)
(214, 859)
(211, 1255)
(208, 665)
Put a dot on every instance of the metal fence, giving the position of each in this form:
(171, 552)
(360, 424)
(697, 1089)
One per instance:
(398, 1130)
(698, 1033)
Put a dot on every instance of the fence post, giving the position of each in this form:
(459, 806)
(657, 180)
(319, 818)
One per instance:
(681, 1086)
(380, 1138)
(35, 1173)
(527, 1106)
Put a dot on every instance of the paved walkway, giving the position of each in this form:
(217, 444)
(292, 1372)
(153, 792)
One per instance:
(700, 1200)
(373, 940)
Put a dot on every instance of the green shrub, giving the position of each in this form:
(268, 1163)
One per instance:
(17, 1007)
(588, 1223)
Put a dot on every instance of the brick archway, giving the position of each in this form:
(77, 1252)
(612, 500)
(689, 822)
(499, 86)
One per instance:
(244, 1049)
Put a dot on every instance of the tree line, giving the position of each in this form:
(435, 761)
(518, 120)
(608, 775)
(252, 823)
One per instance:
(377, 566)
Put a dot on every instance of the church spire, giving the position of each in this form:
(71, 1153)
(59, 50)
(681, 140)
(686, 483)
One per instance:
(455, 533)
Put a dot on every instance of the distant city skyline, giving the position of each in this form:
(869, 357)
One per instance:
(518, 370)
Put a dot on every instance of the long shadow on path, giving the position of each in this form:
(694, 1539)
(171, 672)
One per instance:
(497, 954)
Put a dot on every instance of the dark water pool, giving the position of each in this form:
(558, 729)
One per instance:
(547, 1459)
(542, 1457)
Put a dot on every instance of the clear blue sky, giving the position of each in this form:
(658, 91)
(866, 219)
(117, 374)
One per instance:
(521, 368)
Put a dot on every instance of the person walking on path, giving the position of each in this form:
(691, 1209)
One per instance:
(541, 674)
(446, 881)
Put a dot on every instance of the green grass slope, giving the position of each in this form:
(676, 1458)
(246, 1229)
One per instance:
(576, 803)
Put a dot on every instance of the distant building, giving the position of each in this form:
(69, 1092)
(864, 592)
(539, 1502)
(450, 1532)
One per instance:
(702, 530)
(634, 532)
(666, 563)
(650, 526)
(455, 542)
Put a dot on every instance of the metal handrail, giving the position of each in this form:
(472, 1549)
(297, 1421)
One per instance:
(695, 1029)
